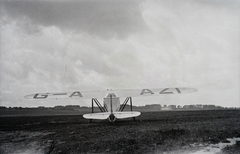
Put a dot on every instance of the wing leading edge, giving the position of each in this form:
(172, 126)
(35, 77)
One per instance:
(118, 92)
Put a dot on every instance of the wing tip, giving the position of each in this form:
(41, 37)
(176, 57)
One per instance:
(29, 96)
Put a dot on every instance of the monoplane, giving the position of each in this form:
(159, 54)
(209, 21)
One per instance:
(111, 108)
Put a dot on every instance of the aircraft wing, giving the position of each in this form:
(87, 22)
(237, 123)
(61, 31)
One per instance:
(118, 93)
(71, 95)
(153, 92)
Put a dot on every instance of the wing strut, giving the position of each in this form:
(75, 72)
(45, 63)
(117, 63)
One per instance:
(125, 103)
(102, 109)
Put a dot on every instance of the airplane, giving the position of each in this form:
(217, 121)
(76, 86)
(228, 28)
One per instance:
(111, 109)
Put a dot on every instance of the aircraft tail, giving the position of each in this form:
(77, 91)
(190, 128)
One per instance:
(106, 115)
(100, 116)
(122, 115)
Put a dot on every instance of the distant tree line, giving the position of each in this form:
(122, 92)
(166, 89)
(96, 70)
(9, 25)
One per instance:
(151, 107)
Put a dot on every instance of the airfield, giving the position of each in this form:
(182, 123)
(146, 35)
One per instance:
(206, 131)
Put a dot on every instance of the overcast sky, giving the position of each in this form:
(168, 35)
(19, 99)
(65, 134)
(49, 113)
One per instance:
(62, 46)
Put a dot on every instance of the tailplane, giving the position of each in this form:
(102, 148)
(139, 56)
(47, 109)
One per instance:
(100, 116)
(122, 115)
(112, 117)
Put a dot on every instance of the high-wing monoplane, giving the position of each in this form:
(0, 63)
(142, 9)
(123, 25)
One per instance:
(111, 109)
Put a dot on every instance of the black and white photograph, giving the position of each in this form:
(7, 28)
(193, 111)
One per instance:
(120, 76)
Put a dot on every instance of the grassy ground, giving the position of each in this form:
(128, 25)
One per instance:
(152, 132)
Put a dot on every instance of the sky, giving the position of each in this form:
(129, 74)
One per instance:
(64, 46)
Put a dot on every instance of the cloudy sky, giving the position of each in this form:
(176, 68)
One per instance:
(62, 46)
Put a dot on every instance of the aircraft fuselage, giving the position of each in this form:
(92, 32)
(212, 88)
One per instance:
(112, 104)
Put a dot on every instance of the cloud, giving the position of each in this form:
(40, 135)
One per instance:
(87, 45)
(104, 19)
(53, 60)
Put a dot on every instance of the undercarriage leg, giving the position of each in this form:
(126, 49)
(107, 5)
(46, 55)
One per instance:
(131, 107)
(92, 110)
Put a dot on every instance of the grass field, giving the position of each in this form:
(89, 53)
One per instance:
(152, 132)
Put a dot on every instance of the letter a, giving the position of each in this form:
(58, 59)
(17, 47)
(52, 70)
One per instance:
(76, 93)
(146, 91)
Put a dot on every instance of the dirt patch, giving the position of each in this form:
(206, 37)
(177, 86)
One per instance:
(153, 132)
(23, 142)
